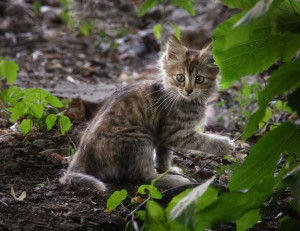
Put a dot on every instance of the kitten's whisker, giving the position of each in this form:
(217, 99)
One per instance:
(175, 99)
(152, 93)
(164, 106)
(158, 101)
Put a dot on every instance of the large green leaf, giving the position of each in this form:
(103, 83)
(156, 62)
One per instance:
(233, 205)
(186, 208)
(155, 218)
(292, 180)
(284, 79)
(256, 46)
(293, 101)
(248, 220)
(241, 4)
(264, 155)
(258, 10)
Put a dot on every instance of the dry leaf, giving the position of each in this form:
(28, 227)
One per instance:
(137, 200)
(20, 198)
(107, 211)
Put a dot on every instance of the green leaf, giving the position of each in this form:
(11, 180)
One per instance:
(256, 46)
(187, 5)
(265, 119)
(176, 30)
(248, 220)
(9, 69)
(157, 29)
(277, 84)
(116, 198)
(65, 124)
(241, 4)
(141, 214)
(155, 218)
(11, 95)
(233, 205)
(153, 191)
(264, 155)
(37, 110)
(246, 91)
(50, 121)
(18, 110)
(293, 101)
(207, 198)
(146, 6)
(85, 28)
(54, 101)
(25, 126)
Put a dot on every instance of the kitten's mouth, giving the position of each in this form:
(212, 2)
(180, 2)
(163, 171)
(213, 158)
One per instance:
(188, 97)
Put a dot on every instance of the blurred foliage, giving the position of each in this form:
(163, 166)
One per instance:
(158, 28)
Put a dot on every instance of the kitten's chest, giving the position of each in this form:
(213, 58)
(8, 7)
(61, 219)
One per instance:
(181, 116)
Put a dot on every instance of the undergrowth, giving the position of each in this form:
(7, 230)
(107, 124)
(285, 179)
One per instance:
(32, 107)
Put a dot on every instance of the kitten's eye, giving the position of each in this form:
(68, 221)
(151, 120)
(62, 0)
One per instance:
(180, 78)
(199, 79)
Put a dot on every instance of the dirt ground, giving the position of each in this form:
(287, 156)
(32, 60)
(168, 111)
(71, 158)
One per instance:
(60, 60)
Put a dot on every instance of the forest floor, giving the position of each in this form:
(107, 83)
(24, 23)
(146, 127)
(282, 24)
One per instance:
(56, 58)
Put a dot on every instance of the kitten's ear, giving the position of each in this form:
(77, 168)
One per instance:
(175, 51)
(207, 49)
(207, 53)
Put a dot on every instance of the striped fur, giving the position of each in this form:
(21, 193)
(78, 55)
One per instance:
(118, 144)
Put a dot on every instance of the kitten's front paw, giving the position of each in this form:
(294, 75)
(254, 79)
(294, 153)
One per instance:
(226, 146)
(176, 170)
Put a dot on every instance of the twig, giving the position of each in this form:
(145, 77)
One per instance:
(4, 203)
(212, 159)
(181, 154)
(134, 223)
(72, 142)
(237, 138)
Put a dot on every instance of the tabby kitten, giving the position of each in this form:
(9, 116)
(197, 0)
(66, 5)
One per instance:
(118, 144)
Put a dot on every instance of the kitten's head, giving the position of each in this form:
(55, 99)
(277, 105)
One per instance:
(190, 73)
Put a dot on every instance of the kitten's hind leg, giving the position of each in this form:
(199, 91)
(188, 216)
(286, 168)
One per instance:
(163, 158)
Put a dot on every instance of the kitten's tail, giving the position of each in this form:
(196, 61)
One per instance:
(75, 179)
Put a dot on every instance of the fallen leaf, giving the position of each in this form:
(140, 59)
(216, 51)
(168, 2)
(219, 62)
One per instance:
(137, 200)
(107, 211)
(20, 198)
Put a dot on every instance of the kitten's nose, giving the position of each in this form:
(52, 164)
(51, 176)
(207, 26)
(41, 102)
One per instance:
(189, 91)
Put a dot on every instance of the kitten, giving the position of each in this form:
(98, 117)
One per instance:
(154, 115)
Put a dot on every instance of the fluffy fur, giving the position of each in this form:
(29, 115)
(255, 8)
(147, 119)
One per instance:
(118, 144)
